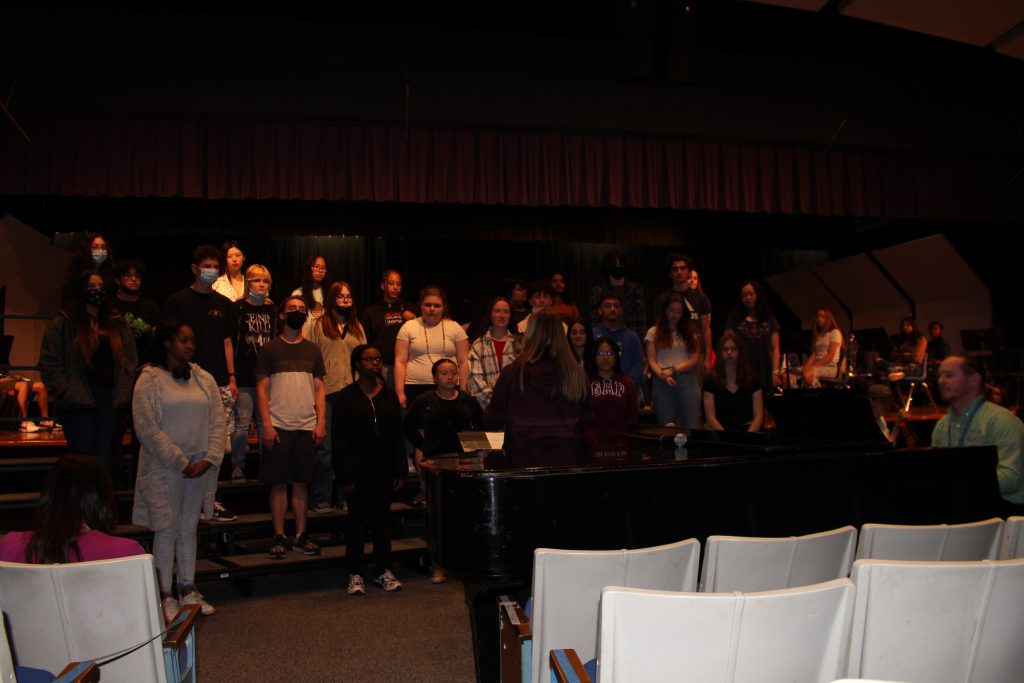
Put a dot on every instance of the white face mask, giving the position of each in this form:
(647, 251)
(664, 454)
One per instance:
(99, 256)
(208, 275)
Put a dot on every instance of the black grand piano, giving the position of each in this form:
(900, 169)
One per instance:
(488, 511)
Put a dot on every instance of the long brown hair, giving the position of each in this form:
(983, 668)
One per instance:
(329, 321)
(830, 324)
(545, 340)
(77, 493)
(745, 376)
(684, 328)
(86, 337)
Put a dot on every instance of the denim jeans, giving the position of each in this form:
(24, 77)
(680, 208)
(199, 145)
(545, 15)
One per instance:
(679, 404)
(245, 412)
(322, 486)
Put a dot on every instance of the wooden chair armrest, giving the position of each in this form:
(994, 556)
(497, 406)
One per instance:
(566, 667)
(511, 614)
(91, 674)
(176, 638)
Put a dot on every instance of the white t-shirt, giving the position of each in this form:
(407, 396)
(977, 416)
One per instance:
(427, 345)
(674, 355)
(823, 341)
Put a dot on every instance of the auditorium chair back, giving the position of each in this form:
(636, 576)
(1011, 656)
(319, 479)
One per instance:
(935, 542)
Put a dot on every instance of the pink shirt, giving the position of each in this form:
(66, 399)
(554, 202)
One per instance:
(94, 545)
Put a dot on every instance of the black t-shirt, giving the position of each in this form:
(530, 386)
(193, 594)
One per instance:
(141, 316)
(255, 329)
(381, 322)
(212, 318)
(734, 411)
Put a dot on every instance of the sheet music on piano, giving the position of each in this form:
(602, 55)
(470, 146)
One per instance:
(481, 441)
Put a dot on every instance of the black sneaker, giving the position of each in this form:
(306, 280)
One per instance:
(305, 546)
(222, 514)
(279, 548)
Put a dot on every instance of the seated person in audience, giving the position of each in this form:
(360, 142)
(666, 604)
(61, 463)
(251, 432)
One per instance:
(515, 292)
(631, 353)
(492, 351)
(938, 347)
(369, 464)
(581, 341)
(828, 343)
(436, 418)
(615, 268)
(733, 397)
(613, 398)
(23, 388)
(141, 314)
(540, 401)
(540, 299)
(674, 357)
(910, 350)
(74, 519)
(1000, 394)
(562, 302)
(881, 403)
(973, 421)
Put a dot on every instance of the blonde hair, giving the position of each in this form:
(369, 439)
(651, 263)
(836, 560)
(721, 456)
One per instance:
(545, 340)
(256, 270)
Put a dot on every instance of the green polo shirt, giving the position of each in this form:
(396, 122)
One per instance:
(991, 425)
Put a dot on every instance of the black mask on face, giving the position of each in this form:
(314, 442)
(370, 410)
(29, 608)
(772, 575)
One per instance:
(618, 272)
(295, 319)
(94, 296)
(343, 310)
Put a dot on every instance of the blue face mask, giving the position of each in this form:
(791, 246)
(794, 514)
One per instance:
(257, 297)
(99, 256)
(208, 275)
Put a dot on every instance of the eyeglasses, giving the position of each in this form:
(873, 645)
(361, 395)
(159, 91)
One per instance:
(371, 359)
(323, 268)
(605, 354)
(131, 276)
(260, 279)
(345, 296)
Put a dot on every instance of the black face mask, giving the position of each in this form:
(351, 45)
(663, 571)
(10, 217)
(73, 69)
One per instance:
(618, 272)
(94, 296)
(343, 310)
(295, 319)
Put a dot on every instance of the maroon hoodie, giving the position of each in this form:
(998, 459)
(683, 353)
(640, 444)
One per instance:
(536, 416)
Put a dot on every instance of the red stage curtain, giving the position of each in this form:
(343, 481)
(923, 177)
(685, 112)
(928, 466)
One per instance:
(218, 158)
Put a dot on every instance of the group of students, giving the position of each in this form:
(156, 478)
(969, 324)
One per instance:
(334, 394)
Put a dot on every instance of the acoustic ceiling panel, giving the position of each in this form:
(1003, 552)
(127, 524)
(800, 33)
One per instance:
(930, 269)
(976, 22)
(870, 296)
(804, 293)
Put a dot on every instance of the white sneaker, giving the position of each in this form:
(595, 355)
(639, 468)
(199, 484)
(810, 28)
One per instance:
(28, 426)
(237, 474)
(388, 582)
(355, 585)
(195, 598)
(171, 607)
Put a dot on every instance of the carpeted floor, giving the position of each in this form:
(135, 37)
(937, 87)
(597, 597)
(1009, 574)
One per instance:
(304, 628)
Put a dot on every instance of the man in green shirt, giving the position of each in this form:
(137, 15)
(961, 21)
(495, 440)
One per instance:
(973, 421)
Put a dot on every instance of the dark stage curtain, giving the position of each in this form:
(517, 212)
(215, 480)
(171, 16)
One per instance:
(207, 158)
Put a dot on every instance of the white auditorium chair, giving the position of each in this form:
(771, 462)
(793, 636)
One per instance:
(934, 542)
(741, 563)
(1013, 539)
(84, 611)
(795, 634)
(940, 622)
(567, 588)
